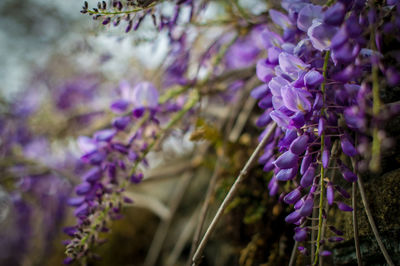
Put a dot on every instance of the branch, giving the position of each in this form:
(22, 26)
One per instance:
(204, 209)
(230, 195)
(293, 255)
(355, 224)
(371, 218)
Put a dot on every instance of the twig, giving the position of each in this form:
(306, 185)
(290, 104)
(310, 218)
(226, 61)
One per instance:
(204, 209)
(335, 152)
(293, 255)
(206, 204)
(321, 198)
(371, 218)
(163, 228)
(313, 232)
(355, 224)
(230, 195)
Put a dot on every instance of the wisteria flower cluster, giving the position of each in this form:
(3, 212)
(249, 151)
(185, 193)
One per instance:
(116, 156)
(317, 90)
(133, 12)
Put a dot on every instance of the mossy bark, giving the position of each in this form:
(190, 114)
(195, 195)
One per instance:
(382, 194)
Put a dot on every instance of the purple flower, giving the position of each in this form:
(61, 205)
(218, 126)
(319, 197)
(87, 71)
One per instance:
(306, 16)
(307, 207)
(264, 119)
(136, 178)
(292, 197)
(273, 186)
(312, 79)
(265, 102)
(286, 174)
(104, 135)
(353, 27)
(305, 163)
(297, 120)
(325, 253)
(347, 147)
(300, 203)
(325, 157)
(291, 64)
(86, 144)
(120, 106)
(92, 175)
(299, 145)
(302, 250)
(321, 126)
(145, 94)
(260, 91)
(330, 193)
(77, 201)
(280, 118)
(392, 76)
(342, 192)
(82, 211)
(339, 38)
(121, 123)
(280, 19)
(344, 207)
(308, 177)
(83, 188)
(293, 217)
(271, 39)
(335, 239)
(300, 235)
(265, 71)
(335, 14)
(94, 158)
(287, 160)
(295, 99)
(336, 231)
(347, 174)
(242, 53)
(269, 166)
(346, 53)
(354, 117)
(276, 84)
(321, 35)
(273, 55)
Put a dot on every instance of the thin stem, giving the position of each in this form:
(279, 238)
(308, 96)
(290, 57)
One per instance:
(293, 255)
(313, 232)
(204, 209)
(374, 164)
(321, 197)
(371, 218)
(355, 224)
(121, 12)
(332, 167)
(230, 195)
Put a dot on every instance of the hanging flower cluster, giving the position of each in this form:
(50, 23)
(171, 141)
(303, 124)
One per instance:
(114, 156)
(133, 12)
(316, 89)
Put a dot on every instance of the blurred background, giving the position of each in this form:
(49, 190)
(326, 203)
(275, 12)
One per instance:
(60, 72)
